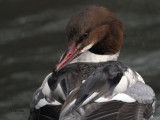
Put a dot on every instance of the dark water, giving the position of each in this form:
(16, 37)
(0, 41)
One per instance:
(32, 35)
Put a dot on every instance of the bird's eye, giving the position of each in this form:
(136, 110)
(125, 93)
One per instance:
(85, 35)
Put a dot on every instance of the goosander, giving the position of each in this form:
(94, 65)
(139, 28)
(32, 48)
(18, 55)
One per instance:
(88, 82)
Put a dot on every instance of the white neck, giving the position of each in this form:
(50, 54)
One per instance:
(91, 57)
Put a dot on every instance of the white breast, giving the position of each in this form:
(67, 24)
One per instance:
(91, 57)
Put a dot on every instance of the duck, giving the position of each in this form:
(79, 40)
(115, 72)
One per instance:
(88, 82)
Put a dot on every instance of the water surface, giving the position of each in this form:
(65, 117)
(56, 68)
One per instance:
(32, 38)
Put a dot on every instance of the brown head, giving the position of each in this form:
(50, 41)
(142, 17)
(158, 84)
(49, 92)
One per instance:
(93, 28)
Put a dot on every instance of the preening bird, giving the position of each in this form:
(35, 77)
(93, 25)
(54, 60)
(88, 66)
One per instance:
(88, 83)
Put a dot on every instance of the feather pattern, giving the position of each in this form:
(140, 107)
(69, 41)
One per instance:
(102, 87)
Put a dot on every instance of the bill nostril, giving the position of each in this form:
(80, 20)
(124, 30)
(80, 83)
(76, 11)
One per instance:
(69, 55)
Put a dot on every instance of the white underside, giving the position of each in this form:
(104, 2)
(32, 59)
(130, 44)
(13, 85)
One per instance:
(43, 102)
(95, 58)
(119, 97)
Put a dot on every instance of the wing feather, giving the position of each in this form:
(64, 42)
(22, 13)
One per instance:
(118, 110)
